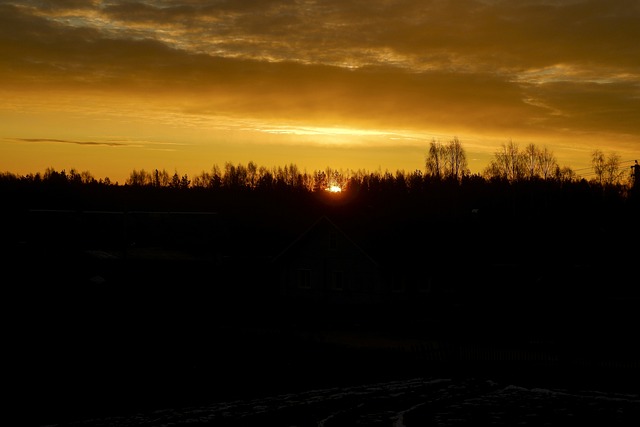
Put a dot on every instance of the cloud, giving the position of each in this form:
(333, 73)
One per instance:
(473, 65)
(65, 141)
(592, 106)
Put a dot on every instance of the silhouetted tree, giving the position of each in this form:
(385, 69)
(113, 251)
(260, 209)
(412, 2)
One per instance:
(635, 175)
(265, 178)
(607, 168)
(538, 163)
(161, 178)
(252, 174)
(54, 177)
(233, 176)
(308, 181)
(434, 162)
(216, 177)
(508, 163)
(455, 160)
(143, 178)
(546, 163)
(202, 180)
(415, 181)
(291, 175)
(598, 164)
(320, 181)
(564, 174)
(446, 161)
(400, 181)
(335, 177)
(175, 180)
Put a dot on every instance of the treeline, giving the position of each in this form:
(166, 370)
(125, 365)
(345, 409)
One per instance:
(443, 162)
(514, 180)
(251, 177)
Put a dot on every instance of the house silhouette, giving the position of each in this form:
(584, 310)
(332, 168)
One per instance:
(324, 265)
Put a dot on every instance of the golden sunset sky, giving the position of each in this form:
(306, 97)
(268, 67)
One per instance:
(116, 85)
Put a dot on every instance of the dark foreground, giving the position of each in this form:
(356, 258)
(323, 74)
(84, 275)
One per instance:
(410, 402)
(173, 346)
(155, 362)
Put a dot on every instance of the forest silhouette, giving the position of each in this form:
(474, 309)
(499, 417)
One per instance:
(142, 295)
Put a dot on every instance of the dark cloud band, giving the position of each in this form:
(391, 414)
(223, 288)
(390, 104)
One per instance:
(67, 141)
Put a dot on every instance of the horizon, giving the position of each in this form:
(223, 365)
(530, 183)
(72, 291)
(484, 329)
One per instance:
(586, 173)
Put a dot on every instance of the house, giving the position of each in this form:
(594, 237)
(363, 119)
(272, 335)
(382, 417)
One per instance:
(324, 265)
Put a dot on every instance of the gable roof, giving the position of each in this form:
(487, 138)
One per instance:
(323, 220)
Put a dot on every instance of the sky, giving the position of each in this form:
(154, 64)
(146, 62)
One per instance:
(112, 86)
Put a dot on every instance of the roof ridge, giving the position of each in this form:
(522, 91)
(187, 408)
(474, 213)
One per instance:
(324, 217)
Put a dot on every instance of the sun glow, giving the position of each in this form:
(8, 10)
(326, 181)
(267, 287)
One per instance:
(334, 189)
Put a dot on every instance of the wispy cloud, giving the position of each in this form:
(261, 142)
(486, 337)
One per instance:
(147, 145)
(65, 141)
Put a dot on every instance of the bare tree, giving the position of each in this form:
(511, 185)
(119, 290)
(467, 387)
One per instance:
(265, 178)
(161, 178)
(216, 177)
(538, 163)
(184, 182)
(320, 181)
(565, 174)
(229, 177)
(508, 163)
(242, 175)
(434, 161)
(546, 163)
(606, 168)
(336, 177)
(455, 160)
(211, 179)
(140, 178)
(493, 170)
(612, 171)
(252, 174)
(292, 174)
(530, 159)
(598, 162)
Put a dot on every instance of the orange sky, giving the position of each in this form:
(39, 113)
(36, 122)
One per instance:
(112, 86)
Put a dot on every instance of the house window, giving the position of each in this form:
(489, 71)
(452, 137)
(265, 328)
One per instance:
(397, 285)
(304, 278)
(424, 286)
(337, 280)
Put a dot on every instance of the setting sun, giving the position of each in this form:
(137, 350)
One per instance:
(334, 189)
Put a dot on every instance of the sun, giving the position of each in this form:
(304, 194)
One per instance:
(334, 189)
